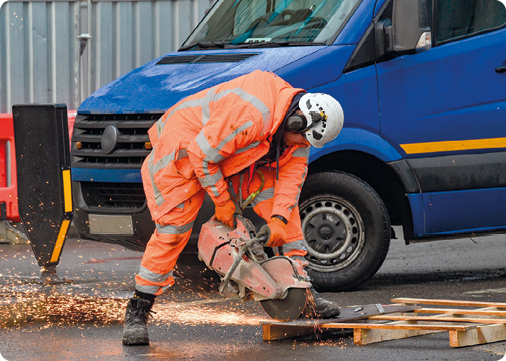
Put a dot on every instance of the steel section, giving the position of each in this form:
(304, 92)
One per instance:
(38, 53)
(62, 51)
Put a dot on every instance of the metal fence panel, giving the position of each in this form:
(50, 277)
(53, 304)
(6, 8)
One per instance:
(38, 52)
(62, 51)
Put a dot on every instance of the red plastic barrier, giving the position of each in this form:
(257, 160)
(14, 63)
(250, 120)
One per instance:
(8, 177)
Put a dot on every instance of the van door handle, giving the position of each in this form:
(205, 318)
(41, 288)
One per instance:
(501, 69)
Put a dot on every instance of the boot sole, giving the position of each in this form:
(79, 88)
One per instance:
(137, 341)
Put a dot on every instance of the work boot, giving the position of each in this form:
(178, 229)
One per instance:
(135, 328)
(319, 307)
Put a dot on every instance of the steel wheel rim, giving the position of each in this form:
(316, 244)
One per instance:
(333, 232)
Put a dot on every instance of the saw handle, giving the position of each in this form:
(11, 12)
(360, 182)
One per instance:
(238, 260)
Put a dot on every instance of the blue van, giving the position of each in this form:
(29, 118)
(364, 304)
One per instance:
(423, 88)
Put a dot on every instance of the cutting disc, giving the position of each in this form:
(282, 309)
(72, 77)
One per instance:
(287, 309)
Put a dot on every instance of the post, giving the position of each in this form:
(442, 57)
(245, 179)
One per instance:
(44, 181)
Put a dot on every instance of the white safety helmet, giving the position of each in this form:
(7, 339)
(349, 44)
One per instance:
(324, 117)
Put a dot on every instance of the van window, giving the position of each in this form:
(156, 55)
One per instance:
(457, 18)
(235, 22)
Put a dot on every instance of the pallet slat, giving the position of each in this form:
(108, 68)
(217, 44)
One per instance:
(440, 319)
(490, 311)
(389, 326)
(465, 327)
(422, 301)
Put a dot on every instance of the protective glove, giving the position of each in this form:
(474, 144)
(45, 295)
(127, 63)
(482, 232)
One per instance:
(275, 231)
(225, 213)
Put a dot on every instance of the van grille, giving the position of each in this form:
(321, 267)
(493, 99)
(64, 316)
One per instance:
(130, 150)
(208, 58)
(105, 195)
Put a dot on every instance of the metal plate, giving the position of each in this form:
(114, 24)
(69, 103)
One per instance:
(102, 224)
(287, 309)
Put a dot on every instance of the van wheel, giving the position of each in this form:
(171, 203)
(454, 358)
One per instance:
(346, 229)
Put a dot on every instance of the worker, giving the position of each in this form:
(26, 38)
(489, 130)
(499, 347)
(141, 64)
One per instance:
(226, 141)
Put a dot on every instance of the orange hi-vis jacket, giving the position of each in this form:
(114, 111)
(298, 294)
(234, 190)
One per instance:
(216, 133)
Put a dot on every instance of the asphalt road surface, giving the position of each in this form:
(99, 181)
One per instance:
(81, 320)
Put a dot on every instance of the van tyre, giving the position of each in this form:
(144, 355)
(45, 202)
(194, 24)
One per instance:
(346, 229)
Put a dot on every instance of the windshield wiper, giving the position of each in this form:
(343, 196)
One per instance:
(204, 45)
(272, 44)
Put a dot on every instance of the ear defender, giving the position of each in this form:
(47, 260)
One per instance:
(296, 124)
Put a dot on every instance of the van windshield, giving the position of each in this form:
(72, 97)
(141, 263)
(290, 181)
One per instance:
(240, 23)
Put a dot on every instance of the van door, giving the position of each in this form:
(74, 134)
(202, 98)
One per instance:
(445, 110)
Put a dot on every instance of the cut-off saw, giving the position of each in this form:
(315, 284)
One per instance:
(237, 255)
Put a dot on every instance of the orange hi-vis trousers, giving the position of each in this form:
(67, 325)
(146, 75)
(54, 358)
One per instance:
(173, 230)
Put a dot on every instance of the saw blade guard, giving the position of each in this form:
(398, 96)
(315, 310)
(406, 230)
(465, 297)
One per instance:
(223, 249)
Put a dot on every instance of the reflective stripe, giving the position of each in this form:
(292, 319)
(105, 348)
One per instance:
(162, 163)
(232, 135)
(298, 193)
(181, 206)
(171, 229)
(253, 100)
(165, 160)
(251, 146)
(211, 180)
(210, 97)
(150, 290)
(294, 246)
(158, 195)
(205, 169)
(203, 102)
(206, 113)
(165, 288)
(158, 166)
(150, 276)
(213, 155)
(301, 152)
(159, 126)
(264, 195)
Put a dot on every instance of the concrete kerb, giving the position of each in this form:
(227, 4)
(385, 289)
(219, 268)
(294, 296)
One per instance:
(10, 234)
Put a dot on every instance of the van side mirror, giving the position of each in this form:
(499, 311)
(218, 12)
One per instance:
(409, 31)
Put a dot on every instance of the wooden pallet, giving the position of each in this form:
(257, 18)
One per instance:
(472, 323)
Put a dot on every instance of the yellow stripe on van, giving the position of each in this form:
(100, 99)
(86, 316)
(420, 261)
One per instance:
(67, 191)
(454, 145)
(59, 242)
